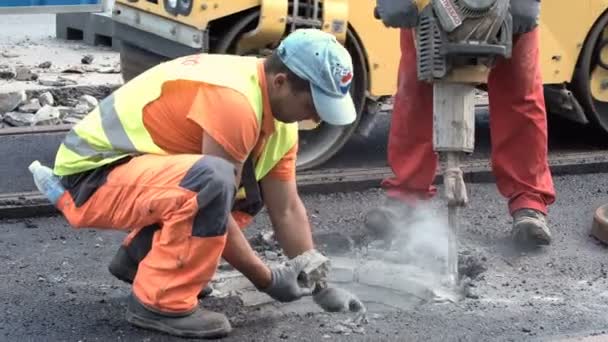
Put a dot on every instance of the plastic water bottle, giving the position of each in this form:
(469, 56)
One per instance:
(46, 182)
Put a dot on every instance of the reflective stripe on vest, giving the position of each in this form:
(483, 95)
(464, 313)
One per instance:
(115, 128)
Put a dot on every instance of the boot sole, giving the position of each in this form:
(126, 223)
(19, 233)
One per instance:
(150, 324)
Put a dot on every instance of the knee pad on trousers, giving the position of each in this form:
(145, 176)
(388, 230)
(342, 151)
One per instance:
(213, 178)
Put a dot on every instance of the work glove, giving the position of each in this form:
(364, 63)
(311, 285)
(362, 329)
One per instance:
(525, 15)
(397, 13)
(284, 285)
(335, 299)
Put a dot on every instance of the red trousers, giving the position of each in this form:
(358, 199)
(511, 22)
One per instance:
(518, 127)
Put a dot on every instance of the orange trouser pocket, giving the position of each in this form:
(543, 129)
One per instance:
(189, 197)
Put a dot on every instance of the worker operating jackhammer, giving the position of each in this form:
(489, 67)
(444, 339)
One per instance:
(185, 155)
(518, 128)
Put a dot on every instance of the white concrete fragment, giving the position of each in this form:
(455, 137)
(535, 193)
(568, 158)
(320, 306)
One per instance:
(47, 115)
(18, 119)
(46, 98)
(25, 74)
(86, 103)
(31, 106)
(55, 81)
(12, 100)
(316, 269)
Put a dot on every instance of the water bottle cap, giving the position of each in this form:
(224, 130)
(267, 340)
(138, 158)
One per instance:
(35, 164)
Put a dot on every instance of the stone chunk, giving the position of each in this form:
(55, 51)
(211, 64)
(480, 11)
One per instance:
(25, 74)
(18, 119)
(10, 101)
(31, 106)
(7, 72)
(47, 115)
(46, 98)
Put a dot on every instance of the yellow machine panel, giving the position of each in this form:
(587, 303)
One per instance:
(203, 11)
(381, 46)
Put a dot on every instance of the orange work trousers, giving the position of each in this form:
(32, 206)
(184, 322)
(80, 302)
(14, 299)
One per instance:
(518, 128)
(189, 197)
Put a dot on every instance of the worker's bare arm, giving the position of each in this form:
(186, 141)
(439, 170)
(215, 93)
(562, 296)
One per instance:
(288, 216)
(238, 251)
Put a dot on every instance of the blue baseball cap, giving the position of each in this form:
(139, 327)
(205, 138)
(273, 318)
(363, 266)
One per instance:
(319, 58)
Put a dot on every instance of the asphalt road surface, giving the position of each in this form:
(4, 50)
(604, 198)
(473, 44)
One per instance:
(55, 285)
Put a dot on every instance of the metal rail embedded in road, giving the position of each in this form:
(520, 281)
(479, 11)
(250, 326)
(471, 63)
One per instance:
(19, 146)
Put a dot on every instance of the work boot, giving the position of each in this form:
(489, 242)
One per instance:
(530, 227)
(124, 267)
(199, 322)
(383, 221)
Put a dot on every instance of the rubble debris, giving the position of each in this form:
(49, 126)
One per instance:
(264, 241)
(25, 74)
(471, 265)
(350, 326)
(65, 111)
(46, 98)
(45, 65)
(87, 59)
(31, 106)
(47, 115)
(115, 69)
(74, 69)
(7, 72)
(9, 55)
(71, 120)
(17, 119)
(56, 81)
(12, 100)
(79, 69)
(316, 269)
(86, 103)
(270, 255)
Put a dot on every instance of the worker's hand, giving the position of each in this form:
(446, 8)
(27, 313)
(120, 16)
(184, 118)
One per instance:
(335, 299)
(284, 285)
(525, 15)
(397, 13)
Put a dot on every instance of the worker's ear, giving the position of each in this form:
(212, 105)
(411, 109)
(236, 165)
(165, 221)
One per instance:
(279, 81)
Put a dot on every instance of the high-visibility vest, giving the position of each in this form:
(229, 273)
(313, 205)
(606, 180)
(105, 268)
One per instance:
(115, 128)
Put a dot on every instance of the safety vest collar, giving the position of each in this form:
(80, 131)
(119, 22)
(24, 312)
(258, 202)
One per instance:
(267, 117)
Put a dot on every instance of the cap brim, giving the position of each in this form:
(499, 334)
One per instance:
(338, 111)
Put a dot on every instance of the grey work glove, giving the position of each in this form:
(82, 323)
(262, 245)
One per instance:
(525, 15)
(397, 13)
(284, 285)
(335, 299)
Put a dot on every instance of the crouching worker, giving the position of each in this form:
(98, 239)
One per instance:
(185, 155)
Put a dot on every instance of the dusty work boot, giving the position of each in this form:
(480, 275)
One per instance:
(383, 221)
(530, 227)
(124, 267)
(199, 323)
